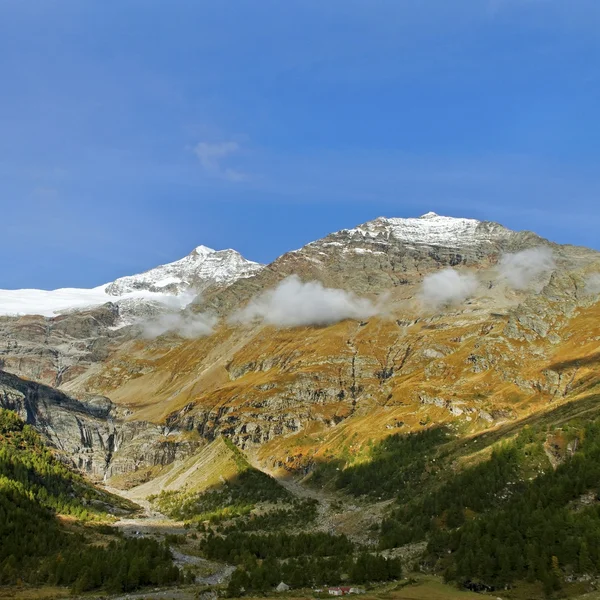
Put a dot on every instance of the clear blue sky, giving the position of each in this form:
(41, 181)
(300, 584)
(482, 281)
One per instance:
(132, 131)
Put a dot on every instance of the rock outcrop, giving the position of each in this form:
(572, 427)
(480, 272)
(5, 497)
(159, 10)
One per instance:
(57, 350)
(89, 434)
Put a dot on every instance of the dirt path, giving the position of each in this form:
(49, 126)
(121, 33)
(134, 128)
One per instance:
(159, 594)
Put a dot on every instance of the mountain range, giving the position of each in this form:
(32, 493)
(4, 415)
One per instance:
(393, 328)
(393, 321)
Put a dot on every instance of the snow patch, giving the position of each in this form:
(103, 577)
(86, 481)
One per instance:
(53, 302)
(431, 229)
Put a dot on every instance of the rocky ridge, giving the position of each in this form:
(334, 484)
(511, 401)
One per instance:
(387, 254)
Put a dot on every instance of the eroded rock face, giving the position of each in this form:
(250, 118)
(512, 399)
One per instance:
(58, 349)
(89, 433)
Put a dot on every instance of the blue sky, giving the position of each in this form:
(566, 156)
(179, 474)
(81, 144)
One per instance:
(135, 130)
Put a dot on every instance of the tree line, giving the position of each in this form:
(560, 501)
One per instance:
(259, 577)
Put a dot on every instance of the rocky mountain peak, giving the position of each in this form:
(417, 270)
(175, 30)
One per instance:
(202, 250)
(432, 229)
(202, 268)
(385, 253)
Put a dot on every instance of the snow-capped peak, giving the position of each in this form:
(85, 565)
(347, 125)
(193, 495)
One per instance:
(170, 284)
(203, 250)
(202, 268)
(431, 229)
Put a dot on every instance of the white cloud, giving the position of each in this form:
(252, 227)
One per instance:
(179, 319)
(521, 269)
(186, 324)
(293, 303)
(447, 287)
(593, 284)
(211, 157)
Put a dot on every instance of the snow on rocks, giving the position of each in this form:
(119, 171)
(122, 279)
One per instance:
(202, 268)
(431, 229)
(173, 285)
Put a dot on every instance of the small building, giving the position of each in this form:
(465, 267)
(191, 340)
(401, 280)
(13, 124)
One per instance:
(345, 590)
(282, 587)
(339, 591)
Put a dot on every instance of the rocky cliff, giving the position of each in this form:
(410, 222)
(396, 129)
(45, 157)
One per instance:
(91, 434)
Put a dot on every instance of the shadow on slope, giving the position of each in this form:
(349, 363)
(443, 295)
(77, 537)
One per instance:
(585, 361)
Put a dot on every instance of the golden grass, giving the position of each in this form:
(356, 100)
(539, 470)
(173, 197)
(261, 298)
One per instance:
(257, 370)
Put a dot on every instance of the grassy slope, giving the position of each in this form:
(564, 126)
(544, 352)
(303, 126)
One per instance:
(217, 482)
(209, 467)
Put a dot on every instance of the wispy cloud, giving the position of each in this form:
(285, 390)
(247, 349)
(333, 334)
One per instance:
(294, 303)
(593, 284)
(185, 324)
(212, 156)
(521, 269)
(447, 288)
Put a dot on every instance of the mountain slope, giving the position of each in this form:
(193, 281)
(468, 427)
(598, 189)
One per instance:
(293, 394)
(61, 334)
(209, 467)
(486, 361)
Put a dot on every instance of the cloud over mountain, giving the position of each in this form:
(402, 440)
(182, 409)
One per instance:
(593, 284)
(184, 324)
(294, 303)
(447, 287)
(521, 269)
